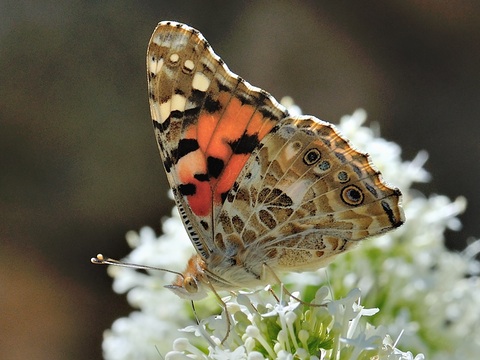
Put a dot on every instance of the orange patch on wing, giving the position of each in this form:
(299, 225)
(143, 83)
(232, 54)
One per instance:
(189, 165)
(200, 203)
(260, 126)
(214, 133)
(238, 119)
(230, 174)
(231, 125)
(205, 129)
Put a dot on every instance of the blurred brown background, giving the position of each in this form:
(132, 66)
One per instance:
(79, 164)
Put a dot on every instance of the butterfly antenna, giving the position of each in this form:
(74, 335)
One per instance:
(101, 260)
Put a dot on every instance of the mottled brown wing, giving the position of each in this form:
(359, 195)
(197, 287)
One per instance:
(304, 196)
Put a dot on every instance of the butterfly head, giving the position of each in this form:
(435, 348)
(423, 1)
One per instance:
(189, 285)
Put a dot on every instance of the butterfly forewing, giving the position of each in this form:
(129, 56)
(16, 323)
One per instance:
(207, 122)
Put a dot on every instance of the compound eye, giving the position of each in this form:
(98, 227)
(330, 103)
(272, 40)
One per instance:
(190, 284)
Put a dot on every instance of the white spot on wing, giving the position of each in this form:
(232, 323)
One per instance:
(189, 64)
(155, 65)
(155, 111)
(157, 40)
(174, 58)
(178, 102)
(290, 151)
(164, 111)
(200, 82)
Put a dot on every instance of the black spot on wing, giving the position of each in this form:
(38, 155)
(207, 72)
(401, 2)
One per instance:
(223, 87)
(166, 124)
(268, 114)
(179, 91)
(187, 189)
(204, 224)
(224, 195)
(372, 189)
(340, 157)
(201, 177)
(211, 105)
(177, 114)
(157, 125)
(197, 96)
(185, 146)
(162, 127)
(357, 170)
(245, 144)
(215, 166)
(168, 163)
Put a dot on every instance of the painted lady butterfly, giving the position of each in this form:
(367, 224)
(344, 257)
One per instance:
(258, 191)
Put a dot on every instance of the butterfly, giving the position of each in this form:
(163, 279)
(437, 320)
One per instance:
(259, 191)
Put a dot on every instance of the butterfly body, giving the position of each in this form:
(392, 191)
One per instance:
(258, 191)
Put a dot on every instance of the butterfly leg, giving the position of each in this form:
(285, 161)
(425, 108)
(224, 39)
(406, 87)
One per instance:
(227, 314)
(284, 290)
(270, 290)
(195, 312)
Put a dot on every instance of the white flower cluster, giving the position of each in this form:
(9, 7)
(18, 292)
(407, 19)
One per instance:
(265, 329)
(428, 296)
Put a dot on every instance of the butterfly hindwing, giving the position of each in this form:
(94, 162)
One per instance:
(304, 196)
